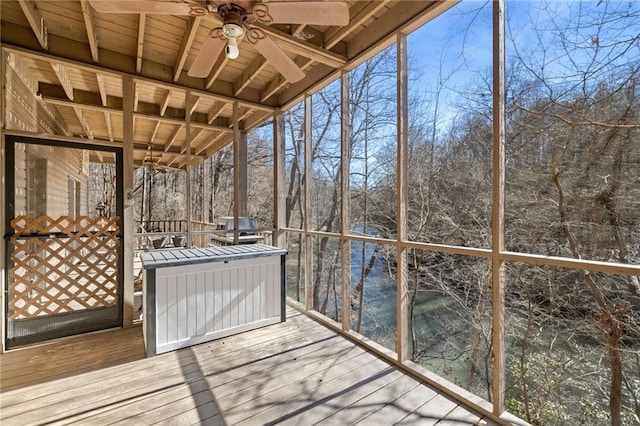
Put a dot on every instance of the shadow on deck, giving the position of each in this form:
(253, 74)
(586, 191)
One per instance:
(297, 372)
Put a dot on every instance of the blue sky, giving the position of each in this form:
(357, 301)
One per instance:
(456, 46)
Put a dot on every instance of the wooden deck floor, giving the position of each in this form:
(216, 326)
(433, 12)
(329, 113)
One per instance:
(297, 372)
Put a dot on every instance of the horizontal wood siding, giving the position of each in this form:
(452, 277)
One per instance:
(23, 110)
(195, 303)
(25, 113)
(62, 164)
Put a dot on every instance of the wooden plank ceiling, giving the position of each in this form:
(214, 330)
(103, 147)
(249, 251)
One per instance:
(79, 57)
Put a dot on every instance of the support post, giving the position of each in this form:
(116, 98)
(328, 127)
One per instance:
(279, 184)
(128, 231)
(243, 172)
(401, 208)
(237, 178)
(497, 220)
(308, 239)
(187, 167)
(345, 202)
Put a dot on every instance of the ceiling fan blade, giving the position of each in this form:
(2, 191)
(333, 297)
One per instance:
(208, 54)
(149, 6)
(304, 12)
(276, 56)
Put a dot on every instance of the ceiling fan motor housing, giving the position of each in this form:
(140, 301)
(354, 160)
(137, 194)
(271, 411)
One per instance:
(232, 14)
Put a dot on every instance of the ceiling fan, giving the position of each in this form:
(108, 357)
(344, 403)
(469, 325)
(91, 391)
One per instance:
(237, 17)
(153, 163)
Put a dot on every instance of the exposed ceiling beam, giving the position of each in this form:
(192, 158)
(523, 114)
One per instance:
(205, 145)
(107, 58)
(107, 119)
(155, 131)
(279, 82)
(102, 89)
(136, 96)
(158, 149)
(142, 22)
(32, 13)
(336, 34)
(195, 100)
(304, 48)
(190, 33)
(165, 102)
(63, 78)
(219, 144)
(87, 14)
(89, 101)
(332, 37)
(402, 16)
(243, 114)
(86, 129)
(247, 76)
(214, 112)
(173, 137)
(216, 70)
(297, 29)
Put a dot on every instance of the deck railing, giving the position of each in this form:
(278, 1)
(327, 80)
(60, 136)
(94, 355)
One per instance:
(156, 234)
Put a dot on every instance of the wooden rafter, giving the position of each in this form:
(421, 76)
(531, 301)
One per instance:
(304, 48)
(63, 78)
(336, 34)
(142, 22)
(107, 119)
(32, 13)
(155, 131)
(189, 35)
(220, 144)
(332, 37)
(86, 128)
(279, 82)
(159, 84)
(173, 137)
(195, 100)
(102, 89)
(247, 76)
(87, 14)
(165, 102)
(88, 101)
(214, 112)
(216, 70)
(297, 29)
(136, 96)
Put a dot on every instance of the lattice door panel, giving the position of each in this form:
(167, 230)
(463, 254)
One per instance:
(62, 265)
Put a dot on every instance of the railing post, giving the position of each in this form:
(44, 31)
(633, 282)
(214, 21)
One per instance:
(279, 215)
(308, 239)
(401, 207)
(128, 231)
(497, 225)
(345, 203)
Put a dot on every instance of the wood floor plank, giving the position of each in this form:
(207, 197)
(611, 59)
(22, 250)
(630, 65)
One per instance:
(294, 400)
(460, 416)
(225, 373)
(430, 412)
(365, 406)
(144, 381)
(401, 407)
(298, 372)
(240, 343)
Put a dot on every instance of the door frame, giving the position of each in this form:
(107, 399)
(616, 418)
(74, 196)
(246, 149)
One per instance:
(9, 190)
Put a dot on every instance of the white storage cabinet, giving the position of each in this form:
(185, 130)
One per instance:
(192, 296)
